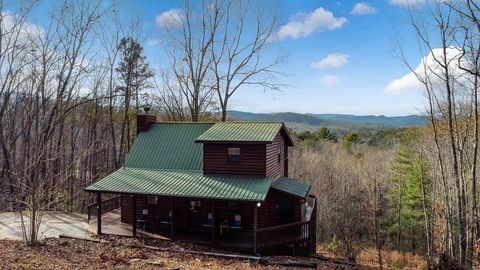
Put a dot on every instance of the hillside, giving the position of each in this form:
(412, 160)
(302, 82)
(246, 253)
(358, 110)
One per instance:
(393, 121)
(339, 123)
(112, 252)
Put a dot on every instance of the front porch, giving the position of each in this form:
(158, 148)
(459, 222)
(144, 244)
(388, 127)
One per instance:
(211, 222)
(111, 224)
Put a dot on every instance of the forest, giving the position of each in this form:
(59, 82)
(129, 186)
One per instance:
(70, 90)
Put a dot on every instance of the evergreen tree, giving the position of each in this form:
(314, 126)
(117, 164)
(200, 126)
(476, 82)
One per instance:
(325, 134)
(134, 73)
(407, 200)
(350, 139)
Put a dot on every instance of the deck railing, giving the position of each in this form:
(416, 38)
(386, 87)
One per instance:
(107, 206)
(312, 245)
(276, 237)
(281, 236)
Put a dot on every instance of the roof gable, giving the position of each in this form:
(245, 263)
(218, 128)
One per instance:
(168, 146)
(252, 132)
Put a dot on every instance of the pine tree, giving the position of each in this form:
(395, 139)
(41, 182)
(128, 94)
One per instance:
(134, 73)
(407, 200)
(325, 134)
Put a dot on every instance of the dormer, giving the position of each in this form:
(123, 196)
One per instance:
(246, 149)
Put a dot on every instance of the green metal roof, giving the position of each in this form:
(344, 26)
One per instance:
(168, 146)
(291, 186)
(241, 132)
(177, 183)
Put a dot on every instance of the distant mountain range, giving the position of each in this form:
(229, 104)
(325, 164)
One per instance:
(338, 122)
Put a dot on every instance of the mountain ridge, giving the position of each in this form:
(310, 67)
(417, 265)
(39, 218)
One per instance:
(310, 121)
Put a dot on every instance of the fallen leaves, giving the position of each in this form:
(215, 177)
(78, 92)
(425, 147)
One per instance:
(117, 253)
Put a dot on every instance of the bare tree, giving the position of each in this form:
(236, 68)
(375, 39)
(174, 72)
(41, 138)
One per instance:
(243, 52)
(191, 37)
(49, 91)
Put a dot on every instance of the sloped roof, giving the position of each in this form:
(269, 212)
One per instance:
(260, 132)
(168, 145)
(291, 186)
(166, 161)
(177, 183)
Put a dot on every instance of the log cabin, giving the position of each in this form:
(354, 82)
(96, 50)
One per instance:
(223, 183)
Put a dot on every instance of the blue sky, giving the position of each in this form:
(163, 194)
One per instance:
(368, 41)
(357, 46)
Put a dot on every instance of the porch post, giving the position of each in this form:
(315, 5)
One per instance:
(255, 229)
(213, 221)
(134, 221)
(172, 207)
(99, 213)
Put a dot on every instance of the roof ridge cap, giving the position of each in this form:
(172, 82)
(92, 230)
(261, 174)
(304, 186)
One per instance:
(178, 122)
(156, 169)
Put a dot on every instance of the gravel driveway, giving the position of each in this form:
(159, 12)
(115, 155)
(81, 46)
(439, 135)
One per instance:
(53, 224)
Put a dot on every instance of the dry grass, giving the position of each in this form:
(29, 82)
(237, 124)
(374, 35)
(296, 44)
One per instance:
(392, 259)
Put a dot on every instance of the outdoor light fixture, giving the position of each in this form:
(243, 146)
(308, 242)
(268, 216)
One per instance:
(259, 204)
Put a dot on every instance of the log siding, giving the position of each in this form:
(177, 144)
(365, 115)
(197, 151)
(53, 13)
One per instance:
(267, 213)
(275, 156)
(252, 159)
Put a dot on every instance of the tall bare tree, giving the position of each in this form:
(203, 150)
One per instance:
(191, 35)
(244, 52)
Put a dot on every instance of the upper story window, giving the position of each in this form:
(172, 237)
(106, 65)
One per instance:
(233, 155)
(279, 155)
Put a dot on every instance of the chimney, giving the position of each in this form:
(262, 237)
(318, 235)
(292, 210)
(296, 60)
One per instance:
(144, 120)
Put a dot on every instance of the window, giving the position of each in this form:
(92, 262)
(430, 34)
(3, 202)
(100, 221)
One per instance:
(195, 205)
(152, 200)
(279, 157)
(234, 155)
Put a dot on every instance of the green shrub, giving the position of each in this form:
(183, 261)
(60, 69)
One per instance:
(333, 244)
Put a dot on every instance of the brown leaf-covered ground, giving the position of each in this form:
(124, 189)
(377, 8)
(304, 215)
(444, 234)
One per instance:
(116, 254)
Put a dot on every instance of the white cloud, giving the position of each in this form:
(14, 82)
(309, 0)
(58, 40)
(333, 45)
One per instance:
(330, 79)
(154, 42)
(304, 24)
(333, 60)
(169, 18)
(27, 31)
(426, 69)
(408, 2)
(363, 8)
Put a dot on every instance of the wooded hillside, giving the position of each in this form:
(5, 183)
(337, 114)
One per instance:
(71, 87)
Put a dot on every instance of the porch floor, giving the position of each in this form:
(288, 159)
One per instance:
(111, 224)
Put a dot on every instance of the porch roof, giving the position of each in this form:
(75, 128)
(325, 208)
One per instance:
(183, 183)
(291, 186)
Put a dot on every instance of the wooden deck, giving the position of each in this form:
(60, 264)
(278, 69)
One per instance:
(111, 224)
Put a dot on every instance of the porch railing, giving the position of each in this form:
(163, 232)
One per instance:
(281, 236)
(107, 206)
(312, 244)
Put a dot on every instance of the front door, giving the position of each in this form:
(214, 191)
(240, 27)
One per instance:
(284, 211)
(194, 214)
